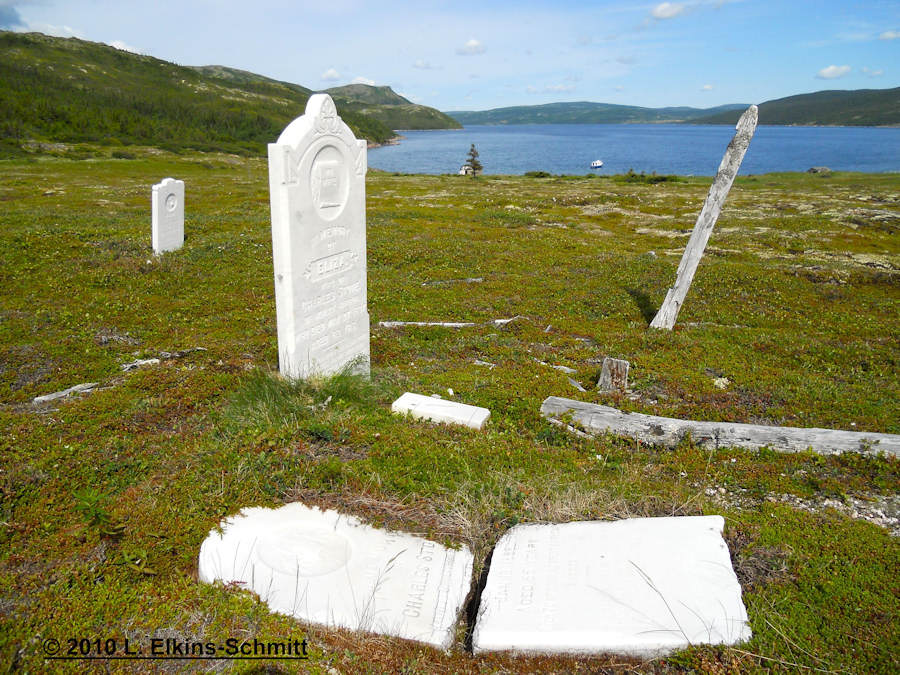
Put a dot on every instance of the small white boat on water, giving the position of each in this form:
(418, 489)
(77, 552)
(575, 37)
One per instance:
(597, 163)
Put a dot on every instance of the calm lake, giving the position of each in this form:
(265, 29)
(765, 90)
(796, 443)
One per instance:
(683, 149)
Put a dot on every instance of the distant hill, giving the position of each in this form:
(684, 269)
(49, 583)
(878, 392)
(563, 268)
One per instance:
(389, 108)
(585, 112)
(74, 91)
(860, 107)
(365, 93)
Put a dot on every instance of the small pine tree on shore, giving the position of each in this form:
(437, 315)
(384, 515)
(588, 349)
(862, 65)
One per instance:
(472, 160)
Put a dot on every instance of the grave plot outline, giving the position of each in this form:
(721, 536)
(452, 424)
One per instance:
(317, 170)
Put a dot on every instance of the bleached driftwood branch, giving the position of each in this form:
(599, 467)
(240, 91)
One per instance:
(446, 324)
(597, 419)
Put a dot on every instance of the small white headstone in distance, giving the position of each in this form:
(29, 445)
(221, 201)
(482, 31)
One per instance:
(317, 191)
(613, 375)
(641, 587)
(333, 570)
(167, 208)
(439, 410)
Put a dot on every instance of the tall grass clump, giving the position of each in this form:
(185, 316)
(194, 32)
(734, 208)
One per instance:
(267, 401)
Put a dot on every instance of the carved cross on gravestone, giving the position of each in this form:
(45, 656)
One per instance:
(731, 162)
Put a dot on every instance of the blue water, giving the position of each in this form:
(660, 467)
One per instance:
(682, 149)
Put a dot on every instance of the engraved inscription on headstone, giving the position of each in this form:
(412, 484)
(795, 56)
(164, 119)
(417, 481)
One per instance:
(317, 191)
(640, 587)
(167, 209)
(331, 569)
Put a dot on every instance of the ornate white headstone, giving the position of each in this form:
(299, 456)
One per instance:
(317, 172)
(167, 208)
(331, 569)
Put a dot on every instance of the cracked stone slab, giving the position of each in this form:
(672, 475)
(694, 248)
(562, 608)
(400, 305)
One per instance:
(639, 587)
(331, 569)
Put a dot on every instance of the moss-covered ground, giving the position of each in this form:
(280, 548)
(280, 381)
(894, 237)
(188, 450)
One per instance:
(106, 497)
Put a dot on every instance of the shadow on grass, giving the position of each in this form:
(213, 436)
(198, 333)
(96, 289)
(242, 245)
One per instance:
(642, 300)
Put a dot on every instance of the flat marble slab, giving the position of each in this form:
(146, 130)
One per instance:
(640, 587)
(331, 569)
(439, 410)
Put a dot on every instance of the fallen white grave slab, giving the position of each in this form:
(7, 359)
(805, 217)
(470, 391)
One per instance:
(668, 431)
(331, 569)
(640, 587)
(439, 410)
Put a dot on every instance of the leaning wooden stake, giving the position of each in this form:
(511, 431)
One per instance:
(731, 162)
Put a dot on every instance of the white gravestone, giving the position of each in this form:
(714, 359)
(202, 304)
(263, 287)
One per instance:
(167, 209)
(640, 587)
(331, 569)
(439, 410)
(317, 171)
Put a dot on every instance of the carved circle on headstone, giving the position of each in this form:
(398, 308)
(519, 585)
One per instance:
(171, 202)
(329, 182)
(303, 551)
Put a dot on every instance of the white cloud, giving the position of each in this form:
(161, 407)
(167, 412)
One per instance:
(330, 75)
(471, 48)
(667, 10)
(125, 47)
(889, 35)
(872, 73)
(832, 72)
(707, 87)
(550, 89)
(363, 80)
(554, 88)
(421, 64)
(57, 31)
(619, 87)
(410, 97)
(626, 60)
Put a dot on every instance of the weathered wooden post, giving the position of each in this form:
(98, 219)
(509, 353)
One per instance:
(731, 162)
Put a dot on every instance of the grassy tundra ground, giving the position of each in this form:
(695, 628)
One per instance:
(106, 498)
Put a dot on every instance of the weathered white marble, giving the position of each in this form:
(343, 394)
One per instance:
(639, 587)
(439, 410)
(327, 568)
(317, 171)
(167, 214)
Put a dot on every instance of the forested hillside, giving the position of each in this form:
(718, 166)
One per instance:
(862, 107)
(70, 90)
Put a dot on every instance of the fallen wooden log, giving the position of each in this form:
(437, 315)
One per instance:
(597, 419)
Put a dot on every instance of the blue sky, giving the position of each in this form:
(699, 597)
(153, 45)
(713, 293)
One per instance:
(477, 55)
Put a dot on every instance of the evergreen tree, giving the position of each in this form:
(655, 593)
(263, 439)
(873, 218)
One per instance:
(472, 160)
